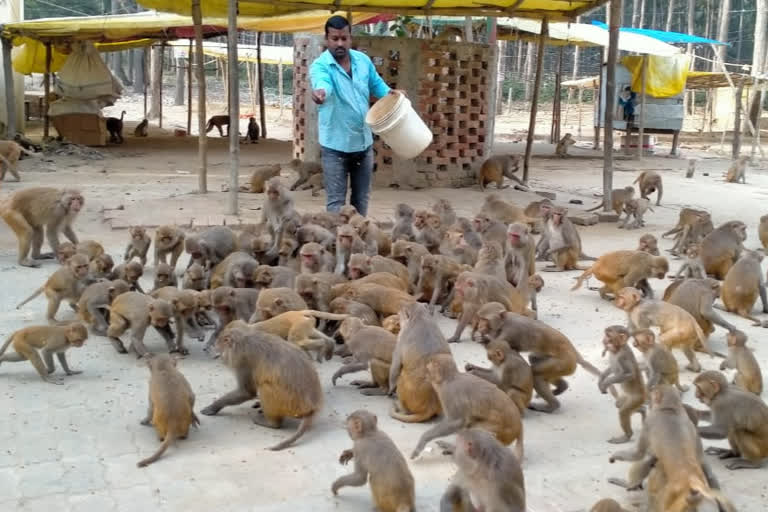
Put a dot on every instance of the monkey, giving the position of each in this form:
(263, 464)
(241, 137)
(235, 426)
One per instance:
(648, 183)
(29, 210)
(722, 247)
(286, 382)
(100, 268)
(236, 270)
(384, 300)
(737, 415)
(276, 212)
(489, 476)
(740, 358)
(136, 311)
(184, 304)
(316, 183)
(168, 240)
(692, 267)
(491, 230)
(32, 342)
(403, 228)
(95, 301)
(490, 260)
(619, 198)
(171, 407)
(468, 401)
(419, 339)
(164, 276)
(347, 213)
(762, 231)
(383, 279)
(563, 242)
(218, 122)
(623, 369)
(466, 227)
(305, 171)
(210, 247)
(427, 230)
(361, 265)
(678, 328)
(298, 328)
(259, 177)
(561, 149)
(392, 324)
(507, 213)
(273, 301)
(328, 220)
(696, 296)
(142, 129)
(649, 244)
(660, 365)
(496, 168)
(377, 460)
(315, 258)
(635, 208)
(438, 275)
(450, 33)
(742, 285)
(65, 283)
(510, 372)
(10, 153)
(692, 226)
(252, 135)
(737, 171)
(455, 246)
(204, 308)
(520, 262)
(314, 233)
(371, 348)
(195, 278)
(115, 128)
(552, 355)
(138, 246)
(342, 305)
(89, 248)
(130, 272)
(607, 505)
(315, 289)
(536, 209)
(409, 254)
(232, 304)
(347, 243)
(444, 209)
(619, 269)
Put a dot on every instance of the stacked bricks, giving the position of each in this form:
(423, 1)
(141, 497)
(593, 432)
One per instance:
(451, 87)
(300, 88)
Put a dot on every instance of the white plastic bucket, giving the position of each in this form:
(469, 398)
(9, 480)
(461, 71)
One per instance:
(394, 120)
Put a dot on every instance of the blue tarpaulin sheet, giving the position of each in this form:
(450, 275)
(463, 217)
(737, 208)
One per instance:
(667, 37)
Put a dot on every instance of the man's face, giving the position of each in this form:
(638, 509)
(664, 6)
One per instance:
(339, 42)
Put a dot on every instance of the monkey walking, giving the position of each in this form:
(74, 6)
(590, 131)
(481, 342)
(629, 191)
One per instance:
(10, 153)
(218, 122)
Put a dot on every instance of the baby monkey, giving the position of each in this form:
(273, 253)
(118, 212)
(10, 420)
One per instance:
(693, 267)
(562, 147)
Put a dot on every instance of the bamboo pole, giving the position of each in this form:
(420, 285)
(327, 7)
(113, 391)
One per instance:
(262, 110)
(234, 108)
(202, 145)
(610, 97)
(641, 127)
(47, 91)
(535, 98)
(599, 94)
(160, 89)
(189, 89)
(280, 85)
(10, 100)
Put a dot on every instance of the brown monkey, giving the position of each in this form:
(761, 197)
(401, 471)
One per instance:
(259, 177)
(130, 272)
(660, 365)
(328, 220)
(403, 228)
(692, 227)
(100, 268)
(649, 244)
(383, 300)
(371, 348)
(563, 242)
(635, 208)
(438, 275)
(347, 243)
(184, 304)
(740, 358)
(537, 209)
(496, 208)
(648, 183)
(95, 301)
(364, 312)
(89, 248)
(742, 285)
(762, 231)
(607, 505)
(298, 328)
(316, 183)
(552, 355)
(496, 168)
(619, 198)
(139, 244)
(561, 149)
(488, 476)
(737, 172)
(347, 213)
(136, 311)
(419, 339)
(521, 254)
(305, 170)
(678, 328)
(736, 415)
(266, 276)
(164, 276)
(468, 401)
(195, 278)
(277, 212)
(510, 372)
(31, 342)
(236, 270)
(316, 233)
(444, 209)
(315, 289)
(490, 229)
(361, 265)
(377, 460)
(210, 247)
(722, 247)
(623, 369)
(455, 246)
(27, 212)
(619, 269)
(231, 304)
(392, 324)
(168, 240)
(286, 382)
(171, 407)
(376, 240)
(409, 254)
(315, 258)
(273, 301)
(490, 260)
(696, 296)
(252, 134)
(66, 283)
(10, 152)
(380, 278)
(218, 122)
(692, 267)
(141, 129)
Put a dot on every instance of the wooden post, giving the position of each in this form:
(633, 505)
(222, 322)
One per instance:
(736, 147)
(556, 102)
(468, 32)
(47, 91)
(189, 89)
(610, 98)
(202, 145)
(234, 108)
(641, 128)
(535, 98)
(599, 95)
(10, 100)
(756, 138)
(160, 89)
(280, 84)
(262, 109)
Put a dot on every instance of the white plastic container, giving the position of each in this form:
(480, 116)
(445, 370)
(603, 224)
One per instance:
(394, 120)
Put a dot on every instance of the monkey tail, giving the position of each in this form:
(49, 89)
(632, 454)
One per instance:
(638, 178)
(600, 205)
(5, 345)
(37, 292)
(324, 315)
(169, 438)
(580, 280)
(306, 423)
(588, 366)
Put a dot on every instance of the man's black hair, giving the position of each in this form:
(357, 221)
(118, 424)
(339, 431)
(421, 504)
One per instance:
(337, 22)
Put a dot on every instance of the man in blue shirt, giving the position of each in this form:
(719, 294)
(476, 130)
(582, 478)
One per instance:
(343, 80)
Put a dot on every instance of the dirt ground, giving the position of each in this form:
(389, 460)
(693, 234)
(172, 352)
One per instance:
(75, 446)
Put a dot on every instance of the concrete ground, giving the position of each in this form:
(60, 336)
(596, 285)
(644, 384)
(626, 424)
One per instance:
(75, 447)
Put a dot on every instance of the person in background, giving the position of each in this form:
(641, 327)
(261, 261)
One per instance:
(342, 81)
(627, 101)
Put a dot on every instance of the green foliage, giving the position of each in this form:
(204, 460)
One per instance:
(399, 26)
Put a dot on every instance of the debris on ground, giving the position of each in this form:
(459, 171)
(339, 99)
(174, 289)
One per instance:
(67, 148)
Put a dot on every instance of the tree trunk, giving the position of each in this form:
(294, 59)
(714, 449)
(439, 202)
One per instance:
(519, 65)
(635, 13)
(759, 58)
(530, 56)
(670, 12)
(155, 82)
(178, 98)
(139, 80)
(653, 24)
(641, 19)
(722, 31)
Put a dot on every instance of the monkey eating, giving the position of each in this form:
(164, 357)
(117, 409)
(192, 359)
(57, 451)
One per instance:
(561, 149)
(738, 170)
(496, 168)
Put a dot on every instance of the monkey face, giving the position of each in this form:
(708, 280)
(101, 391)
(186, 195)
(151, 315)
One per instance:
(138, 233)
(77, 334)
(495, 356)
(79, 265)
(74, 202)
(420, 219)
(536, 282)
(480, 223)
(159, 313)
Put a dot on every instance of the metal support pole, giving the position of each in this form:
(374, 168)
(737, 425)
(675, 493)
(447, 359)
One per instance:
(234, 108)
(189, 89)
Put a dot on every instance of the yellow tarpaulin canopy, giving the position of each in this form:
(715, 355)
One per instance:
(245, 52)
(666, 75)
(553, 9)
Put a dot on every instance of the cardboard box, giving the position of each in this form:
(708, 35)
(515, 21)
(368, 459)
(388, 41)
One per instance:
(85, 129)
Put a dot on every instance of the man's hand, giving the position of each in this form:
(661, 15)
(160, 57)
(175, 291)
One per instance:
(318, 96)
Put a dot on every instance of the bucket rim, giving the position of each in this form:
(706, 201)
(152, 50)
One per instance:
(383, 120)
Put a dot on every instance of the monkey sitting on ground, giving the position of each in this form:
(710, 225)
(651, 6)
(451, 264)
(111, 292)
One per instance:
(489, 476)
(403, 228)
(692, 267)
(650, 182)
(377, 459)
(277, 213)
(743, 283)
(141, 129)
(649, 244)
(660, 365)
(562, 242)
(66, 283)
(164, 276)
(315, 182)
(496, 168)
(252, 135)
(623, 369)
(305, 170)
(10, 152)
(32, 342)
(619, 269)
(30, 210)
(115, 128)
(738, 170)
(561, 149)
(721, 248)
(619, 198)
(138, 246)
(740, 358)
(218, 122)
(258, 178)
(171, 407)
(286, 381)
(510, 372)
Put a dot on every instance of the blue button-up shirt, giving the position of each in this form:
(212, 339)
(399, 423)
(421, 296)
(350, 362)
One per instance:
(341, 118)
